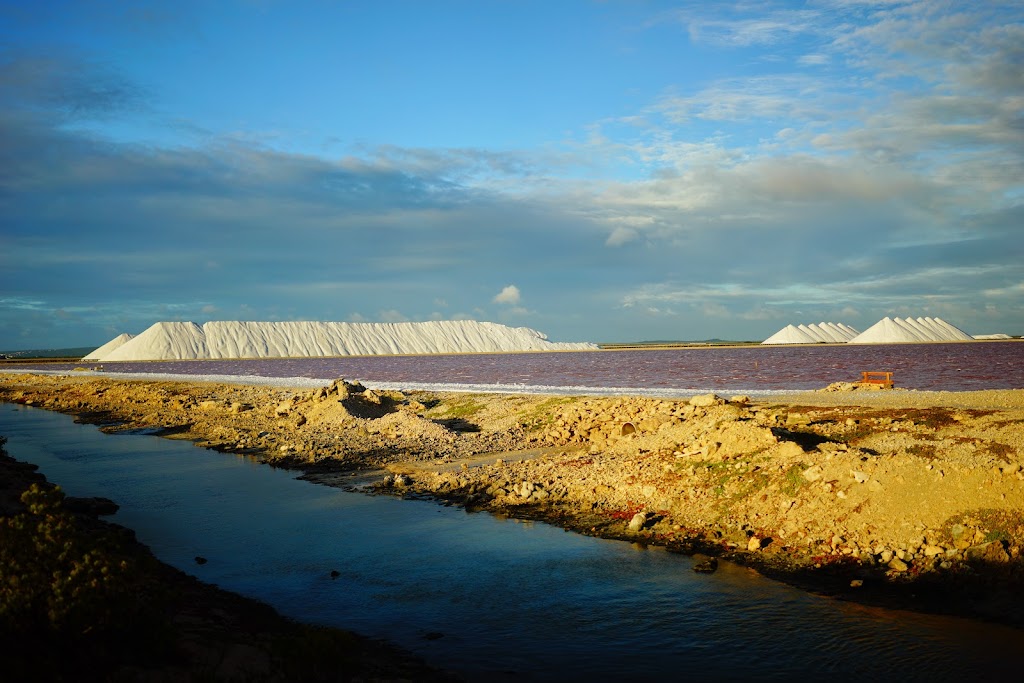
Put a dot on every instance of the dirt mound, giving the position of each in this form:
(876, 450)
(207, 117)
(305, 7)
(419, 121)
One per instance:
(901, 485)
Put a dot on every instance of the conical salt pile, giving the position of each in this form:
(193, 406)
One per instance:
(820, 333)
(900, 330)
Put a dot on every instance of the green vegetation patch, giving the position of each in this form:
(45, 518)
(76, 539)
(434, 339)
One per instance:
(463, 407)
(60, 579)
(542, 414)
(793, 479)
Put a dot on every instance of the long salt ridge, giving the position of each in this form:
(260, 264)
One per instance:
(221, 339)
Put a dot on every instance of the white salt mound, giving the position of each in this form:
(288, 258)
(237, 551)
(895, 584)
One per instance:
(114, 343)
(187, 340)
(831, 333)
(899, 330)
(993, 336)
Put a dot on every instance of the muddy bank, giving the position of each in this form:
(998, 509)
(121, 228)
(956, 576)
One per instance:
(905, 498)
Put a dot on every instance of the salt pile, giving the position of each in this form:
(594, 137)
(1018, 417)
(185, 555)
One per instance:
(187, 340)
(897, 330)
(114, 343)
(831, 333)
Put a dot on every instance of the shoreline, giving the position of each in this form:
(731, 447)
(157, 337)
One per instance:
(894, 498)
(156, 621)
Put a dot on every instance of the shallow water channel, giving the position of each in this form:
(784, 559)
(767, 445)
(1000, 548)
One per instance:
(488, 598)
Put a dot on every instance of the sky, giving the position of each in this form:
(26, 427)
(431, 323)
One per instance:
(597, 170)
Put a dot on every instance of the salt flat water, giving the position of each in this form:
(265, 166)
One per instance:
(651, 372)
(491, 599)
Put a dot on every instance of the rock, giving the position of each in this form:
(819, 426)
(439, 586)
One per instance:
(638, 521)
(705, 400)
(991, 553)
(856, 583)
(813, 473)
(898, 565)
(754, 544)
(200, 560)
(859, 477)
(707, 566)
(1010, 468)
(788, 449)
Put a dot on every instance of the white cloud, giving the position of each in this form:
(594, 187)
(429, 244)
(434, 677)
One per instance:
(621, 236)
(509, 295)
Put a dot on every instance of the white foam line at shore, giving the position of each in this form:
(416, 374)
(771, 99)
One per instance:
(313, 383)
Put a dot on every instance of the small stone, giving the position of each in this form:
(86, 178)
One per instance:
(638, 521)
(705, 400)
(856, 583)
(898, 565)
(813, 473)
(754, 544)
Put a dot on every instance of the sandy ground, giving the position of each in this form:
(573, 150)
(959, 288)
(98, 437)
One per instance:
(904, 498)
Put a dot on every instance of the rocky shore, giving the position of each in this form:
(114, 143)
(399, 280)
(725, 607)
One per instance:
(901, 498)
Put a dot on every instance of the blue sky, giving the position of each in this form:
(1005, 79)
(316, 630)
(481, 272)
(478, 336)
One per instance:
(612, 170)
